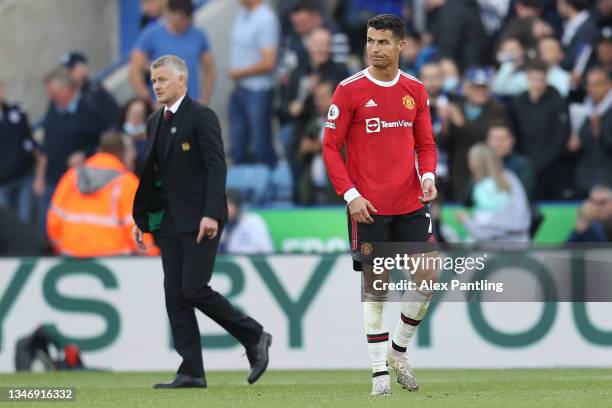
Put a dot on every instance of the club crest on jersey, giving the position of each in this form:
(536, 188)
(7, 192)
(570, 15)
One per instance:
(366, 249)
(408, 102)
(334, 112)
(372, 125)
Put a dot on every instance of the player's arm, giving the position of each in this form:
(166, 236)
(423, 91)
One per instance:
(339, 119)
(425, 149)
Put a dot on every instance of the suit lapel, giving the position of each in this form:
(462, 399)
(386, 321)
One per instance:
(175, 129)
(155, 122)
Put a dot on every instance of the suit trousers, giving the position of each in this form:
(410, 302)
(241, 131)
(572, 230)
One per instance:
(188, 268)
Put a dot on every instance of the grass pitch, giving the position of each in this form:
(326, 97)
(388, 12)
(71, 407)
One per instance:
(439, 388)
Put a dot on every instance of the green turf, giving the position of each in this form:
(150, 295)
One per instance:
(439, 388)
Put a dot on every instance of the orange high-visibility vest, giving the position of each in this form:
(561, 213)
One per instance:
(91, 211)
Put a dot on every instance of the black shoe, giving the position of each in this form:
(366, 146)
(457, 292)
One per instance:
(183, 381)
(258, 357)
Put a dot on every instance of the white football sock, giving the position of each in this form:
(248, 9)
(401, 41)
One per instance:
(413, 309)
(377, 334)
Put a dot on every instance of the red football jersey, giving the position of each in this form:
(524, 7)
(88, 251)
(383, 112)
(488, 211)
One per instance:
(382, 125)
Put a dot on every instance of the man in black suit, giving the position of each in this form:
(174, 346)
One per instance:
(181, 199)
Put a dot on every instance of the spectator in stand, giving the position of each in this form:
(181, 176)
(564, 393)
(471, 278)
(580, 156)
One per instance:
(527, 26)
(501, 141)
(431, 75)
(579, 33)
(594, 219)
(72, 129)
(297, 103)
(604, 49)
(175, 35)
(510, 78)
(77, 66)
(313, 185)
(152, 10)
(91, 209)
(133, 123)
(500, 210)
(305, 18)
(451, 77)
(541, 122)
(457, 30)
(244, 233)
(550, 51)
(17, 160)
(595, 156)
(466, 123)
(253, 56)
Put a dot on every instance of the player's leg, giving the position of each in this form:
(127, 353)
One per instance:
(414, 227)
(374, 299)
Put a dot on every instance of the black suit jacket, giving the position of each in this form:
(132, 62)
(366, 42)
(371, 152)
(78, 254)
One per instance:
(192, 178)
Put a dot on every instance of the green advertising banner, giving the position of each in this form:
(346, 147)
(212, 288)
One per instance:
(317, 230)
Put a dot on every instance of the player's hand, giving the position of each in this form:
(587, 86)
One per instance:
(208, 228)
(138, 237)
(358, 208)
(76, 159)
(429, 191)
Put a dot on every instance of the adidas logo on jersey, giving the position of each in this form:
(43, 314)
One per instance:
(371, 104)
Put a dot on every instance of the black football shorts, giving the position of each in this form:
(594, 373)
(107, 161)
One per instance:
(412, 227)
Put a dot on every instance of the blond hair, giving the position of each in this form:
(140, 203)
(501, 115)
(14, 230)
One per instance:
(487, 164)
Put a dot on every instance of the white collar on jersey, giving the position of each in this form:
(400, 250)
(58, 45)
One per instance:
(382, 83)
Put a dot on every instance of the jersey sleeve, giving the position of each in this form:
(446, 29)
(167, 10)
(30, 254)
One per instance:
(338, 121)
(424, 144)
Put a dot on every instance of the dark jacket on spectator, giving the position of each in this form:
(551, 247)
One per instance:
(458, 32)
(587, 34)
(18, 238)
(107, 107)
(16, 157)
(595, 161)
(66, 133)
(459, 140)
(542, 129)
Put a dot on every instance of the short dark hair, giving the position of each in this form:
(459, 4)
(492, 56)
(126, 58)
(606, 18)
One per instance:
(112, 143)
(537, 65)
(390, 22)
(306, 5)
(535, 4)
(186, 6)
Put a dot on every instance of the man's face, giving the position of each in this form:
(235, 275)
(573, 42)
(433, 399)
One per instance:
(601, 200)
(500, 141)
(305, 21)
(550, 51)
(383, 48)
(536, 82)
(178, 21)
(59, 94)
(598, 85)
(477, 94)
(322, 95)
(604, 52)
(168, 85)
(431, 75)
(319, 46)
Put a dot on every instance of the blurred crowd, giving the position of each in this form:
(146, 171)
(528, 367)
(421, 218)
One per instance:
(521, 107)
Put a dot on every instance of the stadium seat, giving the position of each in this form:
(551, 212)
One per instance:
(252, 180)
(281, 186)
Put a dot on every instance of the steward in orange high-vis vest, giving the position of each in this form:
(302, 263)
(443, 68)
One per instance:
(91, 209)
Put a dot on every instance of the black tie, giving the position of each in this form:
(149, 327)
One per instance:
(168, 115)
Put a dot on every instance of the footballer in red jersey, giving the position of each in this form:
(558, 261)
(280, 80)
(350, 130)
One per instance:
(380, 117)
